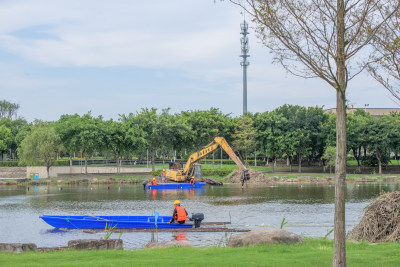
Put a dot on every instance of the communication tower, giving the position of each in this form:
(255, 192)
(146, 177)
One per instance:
(245, 49)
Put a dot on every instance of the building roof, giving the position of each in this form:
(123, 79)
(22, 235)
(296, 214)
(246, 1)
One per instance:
(372, 111)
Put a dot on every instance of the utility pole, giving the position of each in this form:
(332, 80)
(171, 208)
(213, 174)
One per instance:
(245, 49)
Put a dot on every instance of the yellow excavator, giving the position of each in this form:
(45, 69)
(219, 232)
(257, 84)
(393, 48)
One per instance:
(178, 174)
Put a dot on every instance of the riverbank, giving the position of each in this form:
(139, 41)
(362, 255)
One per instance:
(313, 252)
(233, 178)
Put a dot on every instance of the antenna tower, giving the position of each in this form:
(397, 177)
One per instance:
(245, 49)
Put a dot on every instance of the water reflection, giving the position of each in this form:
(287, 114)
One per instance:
(180, 236)
(308, 209)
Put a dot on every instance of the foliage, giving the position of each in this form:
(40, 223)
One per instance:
(156, 173)
(109, 230)
(283, 223)
(244, 137)
(42, 143)
(8, 109)
(5, 138)
(372, 161)
(330, 156)
(9, 164)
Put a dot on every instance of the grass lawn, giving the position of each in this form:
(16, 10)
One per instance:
(314, 252)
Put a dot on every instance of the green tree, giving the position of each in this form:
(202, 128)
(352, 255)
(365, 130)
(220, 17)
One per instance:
(119, 138)
(89, 136)
(6, 139)
(245, 136)
(159, 130)
(381, 132)
(266, 127)
(42, 143)
(15, 126)
(68, 127)
(357, 125)
(330, 157)
(207, 124)
(8, 109)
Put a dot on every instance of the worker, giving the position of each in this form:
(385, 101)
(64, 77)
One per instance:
(154, 181)
(144, 183)
(192, 181)
(180, 214)
(163, 174)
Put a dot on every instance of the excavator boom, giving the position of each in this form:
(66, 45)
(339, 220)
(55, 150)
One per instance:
(211, 147)
(180, 175)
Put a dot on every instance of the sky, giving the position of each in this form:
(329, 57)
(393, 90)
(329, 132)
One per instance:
(115, 57)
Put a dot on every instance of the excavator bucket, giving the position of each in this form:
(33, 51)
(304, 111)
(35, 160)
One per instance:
(245, 175)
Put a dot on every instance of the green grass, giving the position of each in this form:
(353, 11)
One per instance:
(354, 162)
(314, 252)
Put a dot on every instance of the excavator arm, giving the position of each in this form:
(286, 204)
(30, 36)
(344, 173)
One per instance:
(208, 149)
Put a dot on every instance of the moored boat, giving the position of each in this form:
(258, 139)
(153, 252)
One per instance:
(177, 186)
(119, 222)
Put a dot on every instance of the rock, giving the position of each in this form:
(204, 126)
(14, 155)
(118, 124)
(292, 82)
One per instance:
(94, 180)
(264, 236)
(89, 244)
(275, 178)
(166, 244)
(59, 181)
(17, 247)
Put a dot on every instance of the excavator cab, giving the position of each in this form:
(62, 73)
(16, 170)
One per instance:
(197, 171)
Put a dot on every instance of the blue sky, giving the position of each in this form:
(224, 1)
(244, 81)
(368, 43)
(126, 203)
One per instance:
(115, 57)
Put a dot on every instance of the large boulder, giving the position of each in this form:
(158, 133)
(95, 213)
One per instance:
(264, 236)
(90, 244)
(17, 247)
(174, 243)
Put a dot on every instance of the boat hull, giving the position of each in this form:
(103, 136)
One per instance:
(120, 222)
(177, 186)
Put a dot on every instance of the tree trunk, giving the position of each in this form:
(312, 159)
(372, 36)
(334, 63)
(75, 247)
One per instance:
(84, 154)
(299, 156)
(379, 158)
(273, 166)
(48, 171)
(339, 245)
(118, 164)
(70, 161)
(153, 164)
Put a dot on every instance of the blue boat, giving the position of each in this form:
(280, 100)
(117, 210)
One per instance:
(177, 186)
(120, 222)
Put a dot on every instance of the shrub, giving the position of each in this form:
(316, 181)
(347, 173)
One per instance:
(372, 161)
(8, 163)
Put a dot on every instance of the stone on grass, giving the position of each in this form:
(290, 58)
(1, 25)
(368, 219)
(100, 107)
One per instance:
(264, 236)
(17, 247)
(90, 244)
(174, 243)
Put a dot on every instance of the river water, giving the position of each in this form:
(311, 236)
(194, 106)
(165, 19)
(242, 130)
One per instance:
(307, 209)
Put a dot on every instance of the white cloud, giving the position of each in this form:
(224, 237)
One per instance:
(96, 33)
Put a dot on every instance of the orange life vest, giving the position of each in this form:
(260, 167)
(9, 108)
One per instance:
(180, 214)
(192, 181)
(154, 182)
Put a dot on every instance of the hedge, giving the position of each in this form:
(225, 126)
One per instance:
(9, 164)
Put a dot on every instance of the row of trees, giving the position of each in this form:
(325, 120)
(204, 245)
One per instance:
(289, 132)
